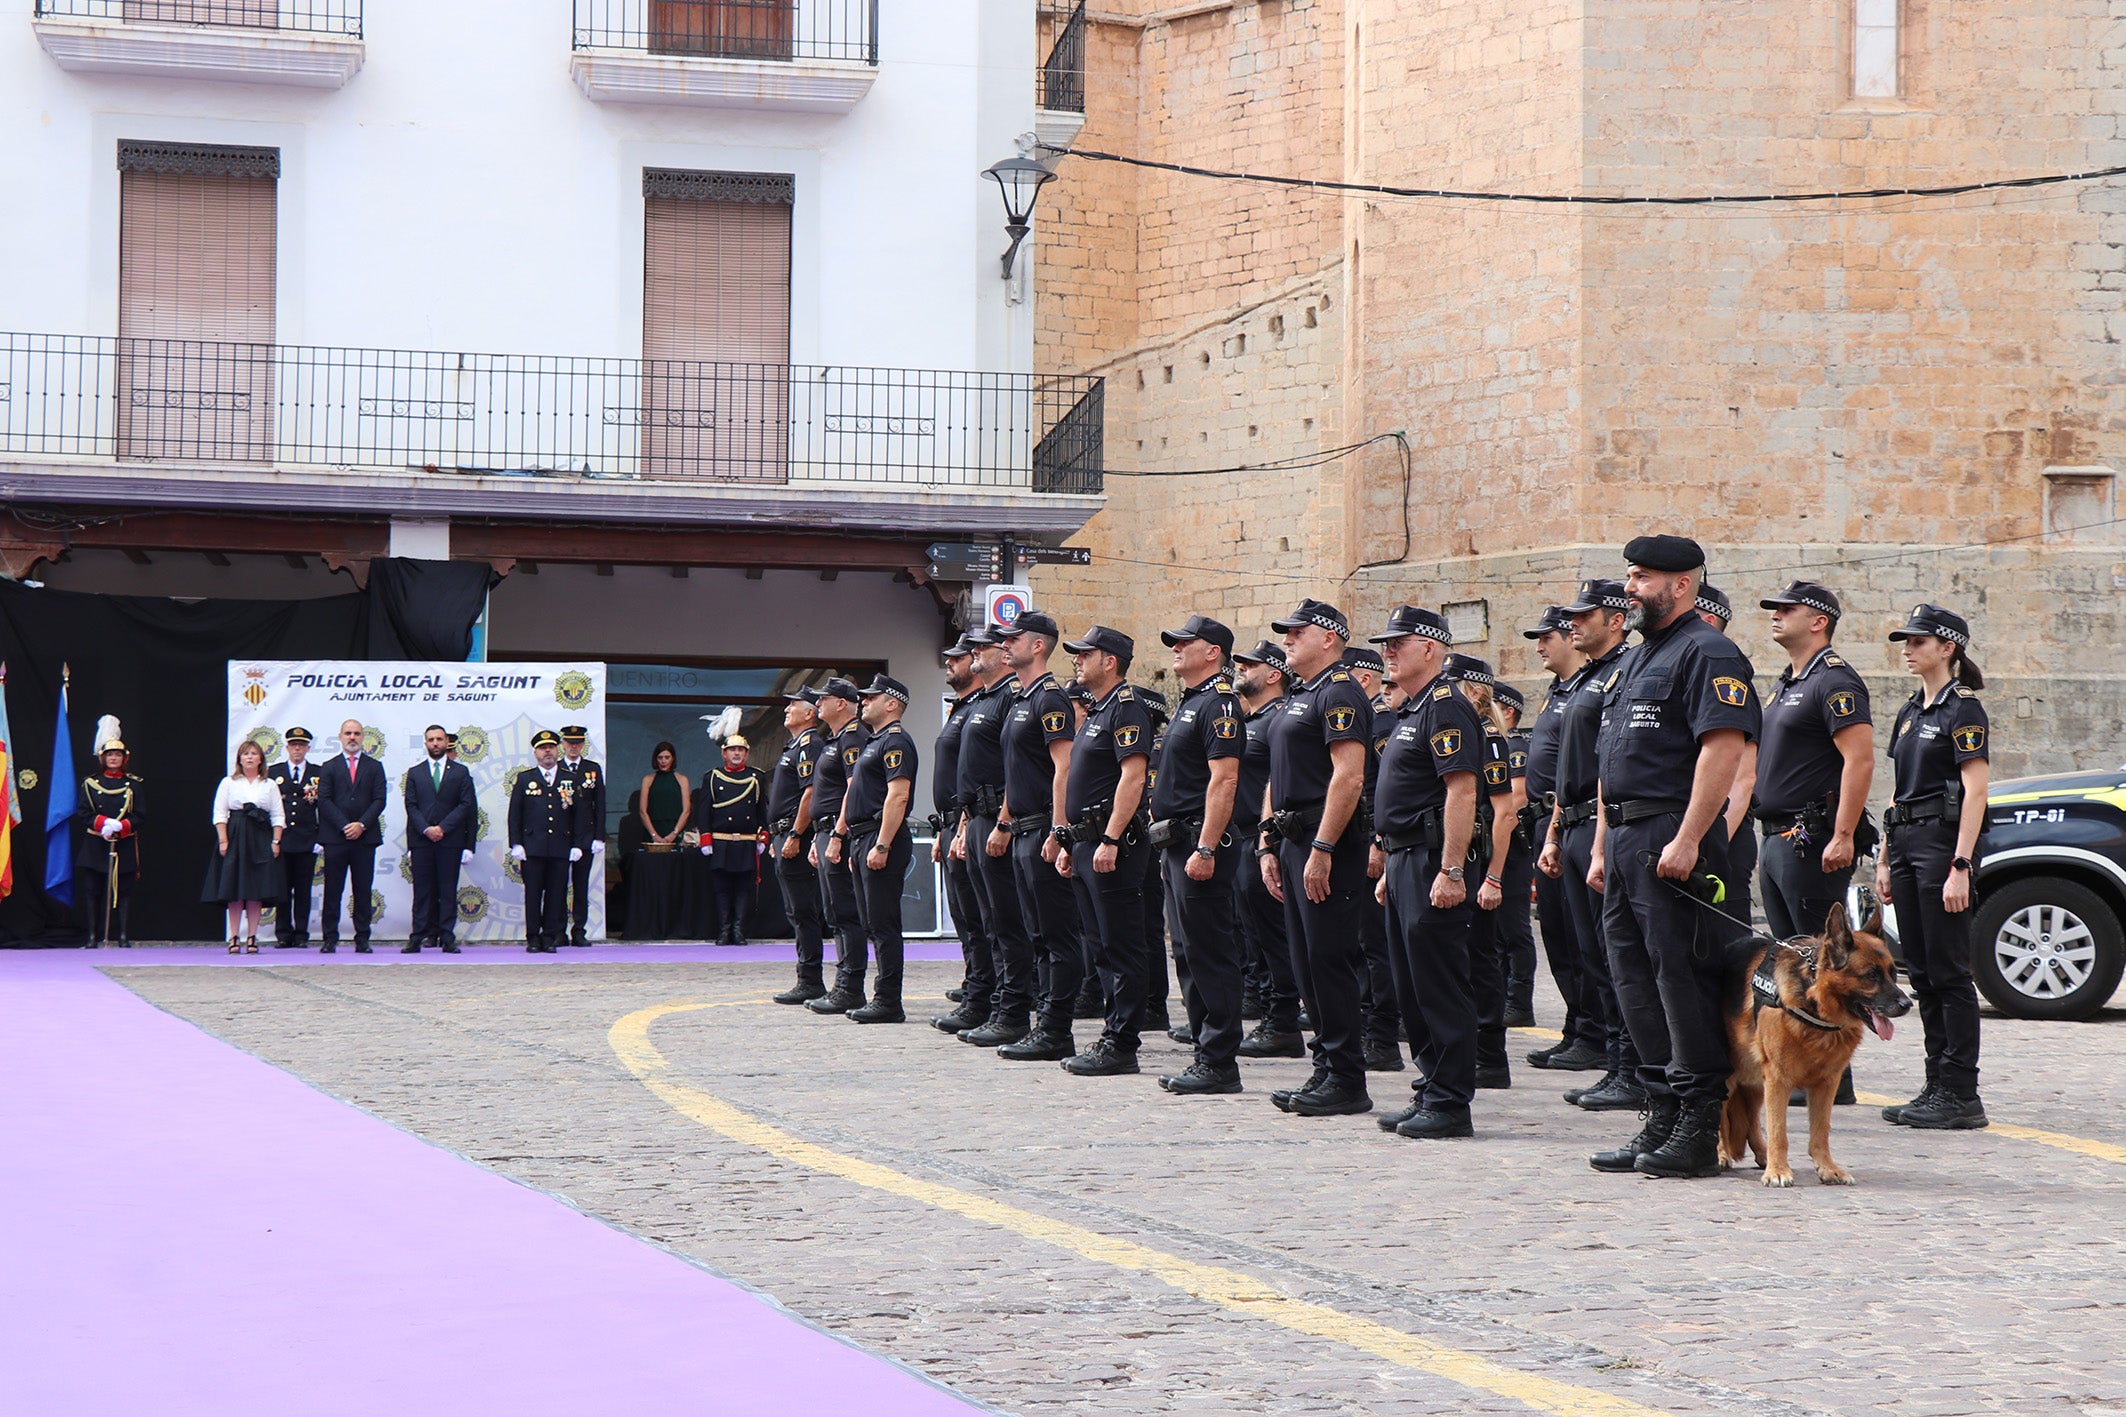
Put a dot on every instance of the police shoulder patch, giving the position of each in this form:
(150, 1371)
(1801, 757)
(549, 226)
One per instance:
(1222, 686)
(1052, 722)
(1842, 704)
(1964, 693)
(1833, 660)
(1447, 742)
(804, 767)
(1495, 774)
(1520, 759)
(1732, 692)
(1339, 676)
(1341, 718)
(1123, 695)
(1970, 738)
(893, 758)
(1126, 736)
(1443, 692)
(1225, 727)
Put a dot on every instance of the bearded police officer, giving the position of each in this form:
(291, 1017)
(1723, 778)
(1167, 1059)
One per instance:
(987, 851)
(874, 833)
(1582, 1042)
(1192, 816)
(1714, 609)
(1673, 727)
(1314, 854)
(977, 955)
(544, 841)
(1425, 811)
(1260, 683)
(790, 833)
(845, 739)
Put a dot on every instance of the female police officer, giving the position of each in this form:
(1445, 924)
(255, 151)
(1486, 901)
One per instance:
(1939, 752)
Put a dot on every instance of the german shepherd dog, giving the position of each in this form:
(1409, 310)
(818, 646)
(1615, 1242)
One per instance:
(1795, 1015)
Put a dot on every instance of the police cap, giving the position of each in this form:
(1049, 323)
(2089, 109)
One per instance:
(1510, 696)
(1553, 621)
(1030, 622)
(1104, 640)
(1934, 621)
(1713, 601)
(1599, 595)
(885, 684)
(1199, 627)
(1808, 593)
(1364, 657)
(546, 738)
(840, 688)
(296, 735)
(1414, 620)
(1468, 669)
(1315, 612)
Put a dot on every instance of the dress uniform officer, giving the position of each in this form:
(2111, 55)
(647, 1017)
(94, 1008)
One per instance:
(1939, 752)
(1198, 853)
(1009, 1009)
(109, 815)
(544, 840)
(1037, 737)
(1314, 853)
(589, 778)
(1496, 808)
(1714, 610)
(1597, 616)
(731, 813)
(1582, 1041)
(1673, 726)
(873, 831)
(297, 781)
(1105, 854)
(790, 834)
(439, 797)
(1425, 815)
(1260, 683)
(1516, 926)
(978, 957)
(845, 739)
(1383, 1026)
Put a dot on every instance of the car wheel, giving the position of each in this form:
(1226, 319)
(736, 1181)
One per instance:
(2046, 948)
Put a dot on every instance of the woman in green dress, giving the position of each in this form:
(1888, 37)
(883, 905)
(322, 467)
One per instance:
(665, 797)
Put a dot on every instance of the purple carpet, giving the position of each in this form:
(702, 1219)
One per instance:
(190, 1230)
(388, 953)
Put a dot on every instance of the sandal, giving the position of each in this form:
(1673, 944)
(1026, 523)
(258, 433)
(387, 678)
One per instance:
(233, 946)
(251, 945)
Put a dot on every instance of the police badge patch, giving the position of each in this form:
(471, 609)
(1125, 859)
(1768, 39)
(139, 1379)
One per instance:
(1495, 775)
(1447, 742)
(1970, 738)
(1051, 723)
(893, 758)
(1732, 692)
(1226, 727)
(1126, 737)
(1341, 719)
(1843, 703)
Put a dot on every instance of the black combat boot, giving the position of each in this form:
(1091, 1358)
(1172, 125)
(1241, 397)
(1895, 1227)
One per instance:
(1266, 1042)
(1693, 1145)
(1660, 1115)
(1334, 1098)
(1040, 1046)
(802, 992)
(1282, 1098)
(961, 1019)
(1203, 1080)
(839, 1000)
(1383, 1058)
(1089, 1003)
(1000, 1030)
(1945, 1111)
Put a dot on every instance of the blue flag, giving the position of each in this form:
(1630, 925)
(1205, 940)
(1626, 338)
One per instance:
(59, 812)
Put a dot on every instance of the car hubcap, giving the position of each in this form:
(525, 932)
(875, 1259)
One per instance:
(2044, 951)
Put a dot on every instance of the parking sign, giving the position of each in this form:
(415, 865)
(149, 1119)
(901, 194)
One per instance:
(1007, 603)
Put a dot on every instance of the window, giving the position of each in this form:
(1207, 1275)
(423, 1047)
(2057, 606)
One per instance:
(725, 29)
(716, 325)
(195, 301)
(1875, 48)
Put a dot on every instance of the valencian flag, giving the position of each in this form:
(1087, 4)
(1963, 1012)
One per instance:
(59, 809)
(10, 806)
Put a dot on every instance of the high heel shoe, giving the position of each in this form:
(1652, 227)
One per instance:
(251, 945)
(233, 946)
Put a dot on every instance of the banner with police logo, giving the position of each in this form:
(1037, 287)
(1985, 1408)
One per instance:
(494, 709)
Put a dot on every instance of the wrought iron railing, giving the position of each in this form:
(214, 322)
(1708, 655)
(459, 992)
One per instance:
(333, 17)
(1062, 78)
(733, 29)
(220, 404)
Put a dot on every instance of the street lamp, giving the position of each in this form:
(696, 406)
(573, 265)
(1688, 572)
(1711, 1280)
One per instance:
(1019, 180)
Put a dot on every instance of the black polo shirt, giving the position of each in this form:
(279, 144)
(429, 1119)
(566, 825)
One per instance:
(1206, 728)
(1040, 715)
(1545, 736)
(1115, 730)
(1255, 763)
(1797, 763)
(831, 778)
(1436, 733)
(792, 774)
(1580, 727)
(1329, 708)
(1932, 742)
(887, 756)
(945, 767)
(1682, 682)
(982, 740)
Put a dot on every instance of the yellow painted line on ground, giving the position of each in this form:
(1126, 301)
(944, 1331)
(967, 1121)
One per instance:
(1226, 1288)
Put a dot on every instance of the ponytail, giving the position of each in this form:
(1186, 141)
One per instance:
(1967, 673)
(1487, 708)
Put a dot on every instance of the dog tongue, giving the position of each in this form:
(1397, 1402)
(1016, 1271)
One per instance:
(1882, 1026)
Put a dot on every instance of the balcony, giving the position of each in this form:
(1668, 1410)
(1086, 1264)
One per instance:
(1059, 89)
(791, 56)
(186, 422)
(298, 43)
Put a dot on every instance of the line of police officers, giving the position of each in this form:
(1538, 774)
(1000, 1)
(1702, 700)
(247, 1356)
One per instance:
(1330, 857)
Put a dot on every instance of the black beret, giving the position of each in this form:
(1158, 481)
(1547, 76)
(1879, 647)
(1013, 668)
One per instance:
(1664, 553)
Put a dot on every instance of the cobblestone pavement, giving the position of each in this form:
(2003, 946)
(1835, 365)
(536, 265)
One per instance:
(1972, 1272)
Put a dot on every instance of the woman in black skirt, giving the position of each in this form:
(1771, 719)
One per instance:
(245, 872)
(1939, 750)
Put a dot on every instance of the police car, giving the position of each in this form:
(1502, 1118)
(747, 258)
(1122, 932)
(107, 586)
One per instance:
(2046, 934)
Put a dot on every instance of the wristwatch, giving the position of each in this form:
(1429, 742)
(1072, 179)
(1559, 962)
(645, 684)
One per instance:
(1452, 873)
(1961, 863)
(1106, 840)
(1207, 853)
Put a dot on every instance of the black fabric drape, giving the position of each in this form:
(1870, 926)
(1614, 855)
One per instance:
(425, 609)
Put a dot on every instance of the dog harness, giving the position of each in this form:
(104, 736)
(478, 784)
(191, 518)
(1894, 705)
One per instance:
(1764, 981)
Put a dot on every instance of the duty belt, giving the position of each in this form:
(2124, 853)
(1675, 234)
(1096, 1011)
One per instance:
(783, 826)
(1089, 825)
(985, 801)
(938, 821)
(1027, 826)
(1931, 808)
(1174, 831)
(1296, 823)
(1430, 832)
(863, 828)
(1638, 809)
(1578, 812)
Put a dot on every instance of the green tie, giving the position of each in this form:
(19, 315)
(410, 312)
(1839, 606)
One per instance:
(436, 771)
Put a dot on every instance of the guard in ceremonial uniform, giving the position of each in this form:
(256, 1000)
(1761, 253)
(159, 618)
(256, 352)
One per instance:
(1198, 853)
(1496, 808)
(1516, 925)
(1261, 684)
(978, 981)
(1673, 727)
(731, 813)
(987, 852)
(589, 778)
(297, 781)
(873, 832)
(1037, 738)
(1315, 849)
(1383, 1026)
(1714, 610)
(109, 816)
(845, 739)
(544, 841)
(790, 827)
(1582, 1044)
(1425, 813)
(1939, 751)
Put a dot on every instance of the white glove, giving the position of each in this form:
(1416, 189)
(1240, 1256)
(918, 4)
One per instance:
(598, 847)
(575, 854)
(318, 850)
(516, 854)
(108, 831)
(706, 848)
(465, 858)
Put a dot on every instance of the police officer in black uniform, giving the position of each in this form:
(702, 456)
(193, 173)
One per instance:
(987, 851)
(1158, 988)
(109, 816)
(1496, 809)
(1260, 682)
(545, 839)
(1673, 726)
(297, 781)
(1516, 922)
(874, 832)
(1199, 855)
(789, 811)
(731, 814)
(1939, 751)
(1105, 852)
(1383, 1026)
(1582, 1041)
(1425, 812)
(845, 737)
(589, 777)
(1714, 610)
(1314, 852)
(978, 981)
(1037, 737)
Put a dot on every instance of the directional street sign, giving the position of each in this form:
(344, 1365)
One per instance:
(966, 561)
(1054, 556)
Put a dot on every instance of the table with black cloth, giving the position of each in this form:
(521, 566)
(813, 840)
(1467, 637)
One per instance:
(669, 897)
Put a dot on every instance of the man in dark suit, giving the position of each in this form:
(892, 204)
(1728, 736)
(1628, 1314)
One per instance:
(298, 781)
(589, 778)
(350, 803)
(544, 842)
(438, 800)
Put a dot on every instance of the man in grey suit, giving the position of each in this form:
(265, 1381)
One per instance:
(350, 803)
(439, 804)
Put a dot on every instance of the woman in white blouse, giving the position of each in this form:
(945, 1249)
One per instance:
(248, 819)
